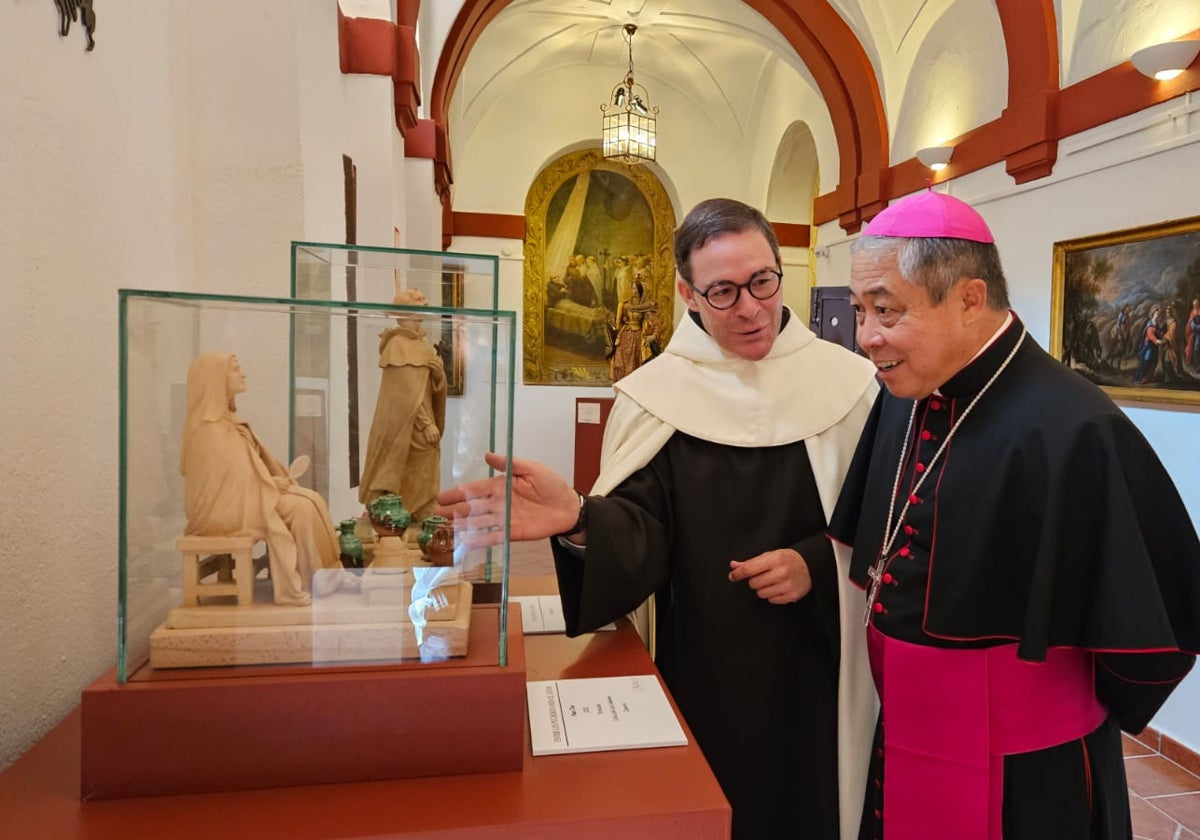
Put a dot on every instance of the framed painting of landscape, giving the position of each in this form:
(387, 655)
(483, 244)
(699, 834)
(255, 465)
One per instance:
(1125, 310)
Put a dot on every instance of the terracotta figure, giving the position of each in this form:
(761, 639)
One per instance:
(403, 449)
(234, 487)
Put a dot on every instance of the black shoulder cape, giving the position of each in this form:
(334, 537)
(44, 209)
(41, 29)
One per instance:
(1047, 521)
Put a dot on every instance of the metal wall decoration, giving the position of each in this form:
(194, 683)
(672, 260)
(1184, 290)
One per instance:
(81, 10)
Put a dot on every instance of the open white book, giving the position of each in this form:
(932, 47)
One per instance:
(601, 713)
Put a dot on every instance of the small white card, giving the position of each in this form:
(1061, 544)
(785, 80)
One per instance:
(587, 412)
(544, 614)
(602, 713)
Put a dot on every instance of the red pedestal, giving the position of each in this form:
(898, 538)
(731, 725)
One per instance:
(627, 794)
(232, 729)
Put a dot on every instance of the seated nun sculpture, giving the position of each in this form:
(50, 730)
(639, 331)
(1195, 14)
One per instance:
(234, 487)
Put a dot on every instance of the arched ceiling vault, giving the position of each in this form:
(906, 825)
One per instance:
(826, 45)
(855, 54)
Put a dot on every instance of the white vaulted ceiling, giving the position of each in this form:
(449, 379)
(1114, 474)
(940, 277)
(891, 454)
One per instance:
(731, 87)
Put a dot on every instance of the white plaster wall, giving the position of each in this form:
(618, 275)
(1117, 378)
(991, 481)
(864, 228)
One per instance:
(241, 130)
(786, 100)
(422, 208)
(94, 198)
(433, 23)
(324, 118)
(370, 126)
(368, 134)
(177, 155)
(400, 188)
(1097, 36)
(1136, 171)
(959, 80)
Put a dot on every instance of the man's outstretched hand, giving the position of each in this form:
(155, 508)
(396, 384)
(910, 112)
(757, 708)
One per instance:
(543, 504)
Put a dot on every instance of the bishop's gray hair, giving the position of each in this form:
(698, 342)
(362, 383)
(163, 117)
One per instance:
(937, 263)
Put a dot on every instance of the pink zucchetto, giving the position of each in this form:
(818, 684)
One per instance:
(930, 214)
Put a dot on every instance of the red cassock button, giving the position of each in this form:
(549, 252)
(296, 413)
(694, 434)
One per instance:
(878, 608)
(910, 530)
(926, 435)
(920, 468)
(904, 552)
(914, 499)
(935, 405)
(887, 578)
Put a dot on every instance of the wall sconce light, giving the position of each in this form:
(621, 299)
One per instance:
(1166, 61)
(935, 157)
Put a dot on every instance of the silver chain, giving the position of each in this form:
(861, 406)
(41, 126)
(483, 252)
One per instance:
(876, 571)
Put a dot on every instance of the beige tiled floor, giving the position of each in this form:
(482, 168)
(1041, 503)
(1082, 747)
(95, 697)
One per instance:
(1164, 797)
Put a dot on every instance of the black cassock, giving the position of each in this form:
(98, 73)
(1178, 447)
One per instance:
(1048, 521)
(756, 682)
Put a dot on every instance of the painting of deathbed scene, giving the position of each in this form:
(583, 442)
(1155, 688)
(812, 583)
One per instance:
(1127, 311)
(598, 273)
(598, 257)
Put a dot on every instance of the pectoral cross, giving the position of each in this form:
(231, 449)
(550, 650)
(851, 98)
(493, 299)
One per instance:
(875, 573)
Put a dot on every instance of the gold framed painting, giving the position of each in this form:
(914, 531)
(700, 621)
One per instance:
(450, 340)
(598, 263)
(1125, 310)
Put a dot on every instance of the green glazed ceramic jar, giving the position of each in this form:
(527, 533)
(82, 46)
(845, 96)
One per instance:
(388, 513)
(349, 544)
(428, 525)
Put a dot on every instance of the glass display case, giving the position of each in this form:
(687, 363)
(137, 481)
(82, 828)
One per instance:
(326, 271)
(279, 459)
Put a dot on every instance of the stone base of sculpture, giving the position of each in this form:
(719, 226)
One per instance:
(394, 552)
(371, 623)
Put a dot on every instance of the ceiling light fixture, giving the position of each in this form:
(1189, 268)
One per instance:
(1166, 61)
(935, 157)
(629, 130)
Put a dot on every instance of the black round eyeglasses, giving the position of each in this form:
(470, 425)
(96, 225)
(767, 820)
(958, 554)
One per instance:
(724, 294)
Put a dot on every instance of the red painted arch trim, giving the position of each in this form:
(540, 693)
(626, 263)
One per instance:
(407, 12)
(792, 235)
(366, 45)
(406, 78)
(489, 224)
(847, 82)
(421, 141)
(1029, 123)
(1100, 99)
(377, 47)
(472, 19)
(428, 140)
(1119, 92)
(1031, 43)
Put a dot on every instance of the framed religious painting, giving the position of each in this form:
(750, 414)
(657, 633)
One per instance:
(1125, 310)
(599, 276)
